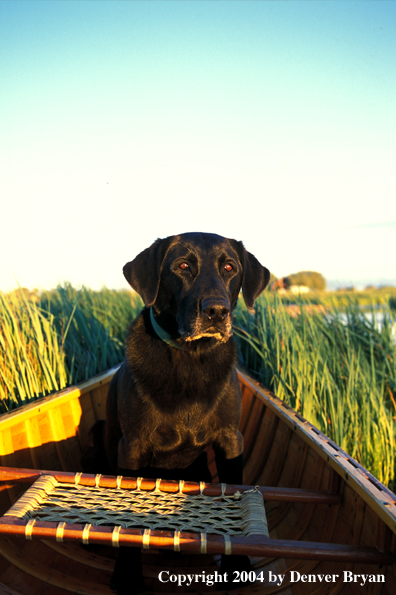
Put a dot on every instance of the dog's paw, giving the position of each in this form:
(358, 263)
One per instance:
(231, 568)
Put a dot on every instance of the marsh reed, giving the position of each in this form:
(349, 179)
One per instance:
(338, 370)
(62, 337)
(336, 366)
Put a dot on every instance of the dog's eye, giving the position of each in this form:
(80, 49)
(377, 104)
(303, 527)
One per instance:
(183, 266)
(228, 267)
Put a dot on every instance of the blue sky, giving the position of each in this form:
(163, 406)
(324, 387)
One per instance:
(270, 122)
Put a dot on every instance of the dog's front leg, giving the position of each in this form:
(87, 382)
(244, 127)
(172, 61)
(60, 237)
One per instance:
(229, 457)
(230, 470)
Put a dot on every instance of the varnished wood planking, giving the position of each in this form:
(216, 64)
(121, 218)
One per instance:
(41, 570)
(289, 460)
(98, 400)
(276, 457)
(87, 416)
(6, 447)
(368, 487)
(252, 426)
(256, 461)
(247, 404)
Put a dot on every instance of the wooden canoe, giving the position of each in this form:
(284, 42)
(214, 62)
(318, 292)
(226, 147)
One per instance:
(332, 524)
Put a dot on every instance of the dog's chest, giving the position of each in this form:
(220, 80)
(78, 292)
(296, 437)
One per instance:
(192, 426)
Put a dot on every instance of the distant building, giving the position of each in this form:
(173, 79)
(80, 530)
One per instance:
(281, 287)
(297, 289)
(278, 285)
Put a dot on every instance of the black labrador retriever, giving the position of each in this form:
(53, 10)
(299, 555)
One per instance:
(177, 392)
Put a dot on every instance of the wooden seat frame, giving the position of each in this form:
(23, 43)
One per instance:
(251, 545)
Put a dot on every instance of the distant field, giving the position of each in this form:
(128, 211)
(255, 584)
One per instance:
(334, 363)
(375, 296)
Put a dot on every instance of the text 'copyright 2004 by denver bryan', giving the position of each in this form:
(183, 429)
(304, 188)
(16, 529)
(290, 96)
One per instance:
(292, 576)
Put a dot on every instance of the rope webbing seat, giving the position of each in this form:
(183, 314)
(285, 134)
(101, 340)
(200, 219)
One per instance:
(154, 514)
(188, 519)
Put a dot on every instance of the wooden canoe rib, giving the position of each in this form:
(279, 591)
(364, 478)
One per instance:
(327, 516)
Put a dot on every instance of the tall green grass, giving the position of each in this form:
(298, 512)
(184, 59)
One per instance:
(337, 370)
(32, 359)
(62, 337)
(92, 327)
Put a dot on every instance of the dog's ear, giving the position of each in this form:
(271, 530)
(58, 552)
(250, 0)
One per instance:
(255, 277)
(143, 273)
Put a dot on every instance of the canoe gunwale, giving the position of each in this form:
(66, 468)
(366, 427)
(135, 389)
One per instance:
(369, 488)
(373, 492)
(343, 504)
(55, 399)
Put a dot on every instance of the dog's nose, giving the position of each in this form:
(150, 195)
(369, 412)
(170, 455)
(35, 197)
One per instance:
(215, 309)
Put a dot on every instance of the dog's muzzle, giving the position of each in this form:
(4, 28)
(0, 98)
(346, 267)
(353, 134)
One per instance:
(214, 321)
(215, 309)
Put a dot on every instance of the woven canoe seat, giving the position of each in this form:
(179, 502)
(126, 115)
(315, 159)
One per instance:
(99, 513)
(154, 514)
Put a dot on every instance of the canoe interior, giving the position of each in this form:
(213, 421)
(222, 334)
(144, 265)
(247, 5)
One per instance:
(281, 450)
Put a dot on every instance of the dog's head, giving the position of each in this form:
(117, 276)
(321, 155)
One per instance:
(192, 281)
